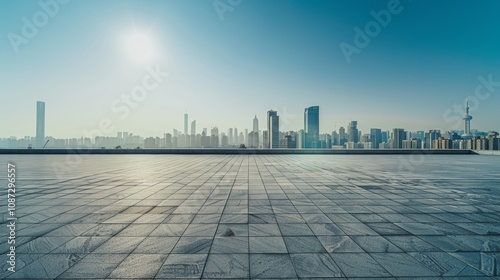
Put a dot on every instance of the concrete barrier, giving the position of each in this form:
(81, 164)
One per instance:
(232, 151)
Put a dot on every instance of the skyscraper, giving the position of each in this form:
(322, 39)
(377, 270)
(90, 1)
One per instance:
(375, 137)
(353, 132)
(193, 127)
(185, 124)
(398, 135)
(273, 128)
(40, 124)
(341, 136)
(255, 124)
(311, 127)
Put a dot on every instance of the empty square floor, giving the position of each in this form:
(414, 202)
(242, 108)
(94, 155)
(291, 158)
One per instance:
(254, 216)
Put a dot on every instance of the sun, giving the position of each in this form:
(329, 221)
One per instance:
(139, 47)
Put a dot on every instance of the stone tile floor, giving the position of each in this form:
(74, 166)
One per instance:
(255, 216)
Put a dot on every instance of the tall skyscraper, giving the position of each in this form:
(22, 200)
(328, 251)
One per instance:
(311, 127)
(342, 136)
(185, 124)
(467, 118)
(398, 135)
(40, 124)
(375, 137)
(193, 127)
(273, 128)
(353, 132)
(255, 124)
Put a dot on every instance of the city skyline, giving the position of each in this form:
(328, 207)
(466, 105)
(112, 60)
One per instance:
(416, 73)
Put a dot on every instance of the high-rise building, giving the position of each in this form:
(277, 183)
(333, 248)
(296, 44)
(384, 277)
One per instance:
(193, 127)
(352, 129)
(467, 118)
(342, 136)
(185, 124)
(40, 124)
(273, 128)
(311, 127)
(230, 136)
(375, 137)
(398, 135)
(255, 124)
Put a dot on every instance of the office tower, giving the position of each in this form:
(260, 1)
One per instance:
(193, 127)
(230, 136)
(352, 129)
(265, 139)
(40, 124)
(375, 137)
(236, 142)
(185, 124)
(430, 137)
(119, 135)
(467, 118)
(214, 131)
(245, 136)
(205, 130)
(255, 124)
(342, 136)
(335, 138)
(311, 127)
(168, 140)
(176, 133)
(398, 135)
(273, 128)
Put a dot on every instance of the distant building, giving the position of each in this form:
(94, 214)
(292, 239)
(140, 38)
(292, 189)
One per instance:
(40, 124)
(353, 132)
(311, 127)
(186, 124)
(342, 136)
(273, 127)
(398, 135)
(375, 137)
(255, 124)
(193, 127)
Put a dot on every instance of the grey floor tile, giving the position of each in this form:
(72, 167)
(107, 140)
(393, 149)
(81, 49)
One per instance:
(260, 245)
(303, 244)
(402, 264)
(156, 245)
(359, 265)
(339, 244)
(315, 265)
(94, 266)
(137, 266)
(193, 245)
(225, 245)
(232, 266)
(183, 266)
(375, 244)
(271, 266)
(264, 230)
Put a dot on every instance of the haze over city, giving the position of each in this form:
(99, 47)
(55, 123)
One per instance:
(225, 66)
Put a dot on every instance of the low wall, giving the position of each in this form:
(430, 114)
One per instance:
(232, 151)
(489, 153)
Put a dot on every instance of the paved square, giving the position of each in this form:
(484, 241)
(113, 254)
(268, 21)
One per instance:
(254, 216)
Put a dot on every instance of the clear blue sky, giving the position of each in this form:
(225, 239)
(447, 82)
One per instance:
(264, 54)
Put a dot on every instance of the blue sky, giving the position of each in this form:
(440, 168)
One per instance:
(264, 54)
